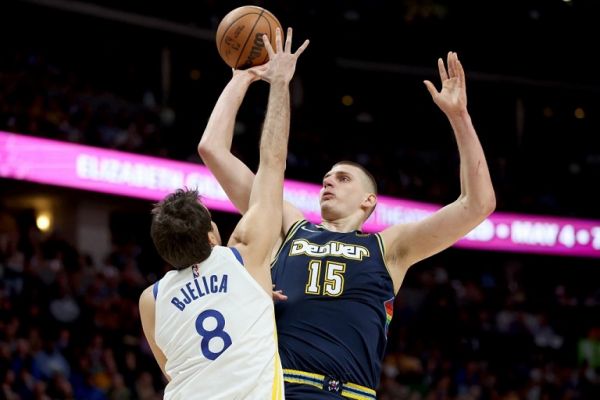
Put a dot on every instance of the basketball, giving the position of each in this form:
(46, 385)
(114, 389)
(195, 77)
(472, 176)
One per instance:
(239, 36)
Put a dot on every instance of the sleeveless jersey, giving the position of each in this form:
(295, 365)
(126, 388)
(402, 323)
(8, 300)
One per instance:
(340, 303)
(216, 327)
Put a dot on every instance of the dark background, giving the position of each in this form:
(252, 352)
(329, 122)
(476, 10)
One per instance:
(528, 63)
(467, 325)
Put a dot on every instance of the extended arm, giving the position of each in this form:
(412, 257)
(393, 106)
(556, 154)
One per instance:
(409, 243)
(215, 145)
(260, 227)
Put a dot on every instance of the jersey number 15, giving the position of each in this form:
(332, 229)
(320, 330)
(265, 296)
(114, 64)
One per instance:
(333, 283)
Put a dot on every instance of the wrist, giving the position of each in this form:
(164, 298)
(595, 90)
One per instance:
(280, 81)
(243, 77)
(459, 115)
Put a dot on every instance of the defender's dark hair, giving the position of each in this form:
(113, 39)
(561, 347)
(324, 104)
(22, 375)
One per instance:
(180, 227)
(372, 182)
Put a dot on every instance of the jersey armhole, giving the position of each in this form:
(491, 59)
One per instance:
(291, 232)
(237, 254)
(382, 248)
(155, 289)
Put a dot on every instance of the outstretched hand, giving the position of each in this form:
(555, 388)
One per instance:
(282, 62)
(452, 98)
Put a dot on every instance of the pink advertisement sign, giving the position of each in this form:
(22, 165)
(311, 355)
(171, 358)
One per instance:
(89, 168)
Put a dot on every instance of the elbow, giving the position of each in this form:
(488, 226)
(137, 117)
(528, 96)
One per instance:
(205, 150)
(487, 205)
(490, 205)
(481, 206)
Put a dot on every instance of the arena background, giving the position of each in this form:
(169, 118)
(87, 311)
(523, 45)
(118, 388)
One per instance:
(142, 77)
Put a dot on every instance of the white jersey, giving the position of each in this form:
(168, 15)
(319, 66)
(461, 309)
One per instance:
(216, 326)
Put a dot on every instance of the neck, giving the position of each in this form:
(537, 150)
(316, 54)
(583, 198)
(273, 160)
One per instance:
(346, 224)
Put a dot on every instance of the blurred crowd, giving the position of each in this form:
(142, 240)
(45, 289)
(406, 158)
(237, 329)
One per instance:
(467, 325)
(488, 326)
(70, 329)
(42, 99)
(541, 172)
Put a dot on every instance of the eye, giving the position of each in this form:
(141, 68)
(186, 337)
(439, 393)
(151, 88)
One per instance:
(344, 179)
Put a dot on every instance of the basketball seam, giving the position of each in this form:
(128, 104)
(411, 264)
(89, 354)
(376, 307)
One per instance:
(233, 23)
(248, 38)
(229, 28)
(271, 36)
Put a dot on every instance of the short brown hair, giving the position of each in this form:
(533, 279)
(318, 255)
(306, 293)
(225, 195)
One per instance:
(371, 179)
(180, 227)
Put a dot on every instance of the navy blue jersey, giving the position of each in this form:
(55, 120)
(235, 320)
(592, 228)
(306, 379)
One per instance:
(340, 302)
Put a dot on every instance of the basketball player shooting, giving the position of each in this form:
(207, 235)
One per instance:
(341, 282)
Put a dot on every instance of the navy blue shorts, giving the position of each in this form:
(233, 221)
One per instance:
(296, 391)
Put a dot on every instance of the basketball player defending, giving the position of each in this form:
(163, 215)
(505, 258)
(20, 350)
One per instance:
(339, 281)
(210, 321)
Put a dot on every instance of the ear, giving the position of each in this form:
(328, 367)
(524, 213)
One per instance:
(214, 237)
(370, 201)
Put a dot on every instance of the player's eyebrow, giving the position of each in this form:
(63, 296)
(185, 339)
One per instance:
(344, 173)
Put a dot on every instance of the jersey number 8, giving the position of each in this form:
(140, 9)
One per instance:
(207, 335)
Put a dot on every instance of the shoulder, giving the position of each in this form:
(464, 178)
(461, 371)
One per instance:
(148, 291)
(297, 225)
(291, 216)
(147, 298)
(232, 252)
(394, 234)
(396, 241)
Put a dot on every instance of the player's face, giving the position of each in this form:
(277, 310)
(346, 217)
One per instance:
(343, 192)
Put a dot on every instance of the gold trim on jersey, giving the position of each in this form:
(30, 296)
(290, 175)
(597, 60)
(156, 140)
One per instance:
(277, 392)
(291, 232)
(382, 248)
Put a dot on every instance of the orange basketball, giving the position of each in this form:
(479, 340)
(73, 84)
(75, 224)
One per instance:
(239, 36)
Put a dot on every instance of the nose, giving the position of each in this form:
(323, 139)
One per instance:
(328, 182)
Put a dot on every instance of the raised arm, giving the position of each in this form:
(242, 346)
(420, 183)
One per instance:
(215, 145)
(259, 229)
(409, 243)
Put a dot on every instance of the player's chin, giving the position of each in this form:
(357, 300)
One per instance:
(326, 207)
(325, 202)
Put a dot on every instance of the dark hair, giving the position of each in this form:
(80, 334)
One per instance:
(372, 182)
(180, 227)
